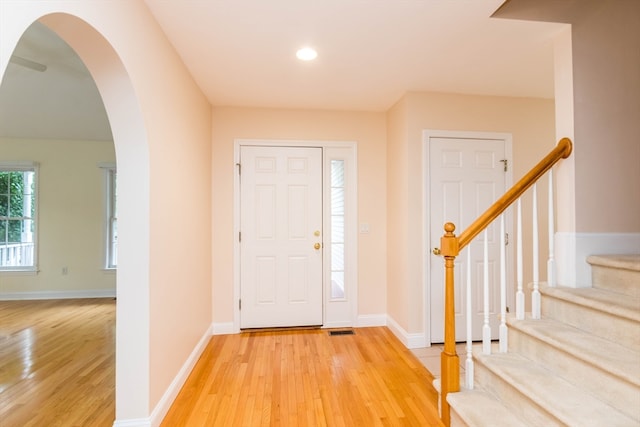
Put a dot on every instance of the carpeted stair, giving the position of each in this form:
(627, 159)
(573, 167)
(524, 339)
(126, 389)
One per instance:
(577, 366)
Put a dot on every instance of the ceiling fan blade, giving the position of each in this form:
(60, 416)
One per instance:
(18, 60)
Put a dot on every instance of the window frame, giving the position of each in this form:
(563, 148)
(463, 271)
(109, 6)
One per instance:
(26, 166)
(110, 218)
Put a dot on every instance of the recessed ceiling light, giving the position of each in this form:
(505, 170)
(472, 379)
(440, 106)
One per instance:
(306, 54)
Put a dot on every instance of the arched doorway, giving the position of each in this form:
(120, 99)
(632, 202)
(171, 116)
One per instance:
(116, 89)
(55, 132)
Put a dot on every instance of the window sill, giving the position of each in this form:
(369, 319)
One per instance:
(30, 272)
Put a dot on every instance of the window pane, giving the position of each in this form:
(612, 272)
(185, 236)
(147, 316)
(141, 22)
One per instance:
(16, 206)
(4, 183)
(337, 173)
(4, 205)
(337, 229)
(337, 256)
(337, 284)
(337, 201)
(15, 231)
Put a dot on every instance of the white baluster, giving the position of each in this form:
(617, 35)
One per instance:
(520, 293)
(503, 289)
(486, 329)
(468, 367)
(535, 296)
(551, 262)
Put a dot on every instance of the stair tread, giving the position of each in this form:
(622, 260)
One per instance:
(627, 262)
(563, 400)
(607, 301)
(478, 408)
(608, 355)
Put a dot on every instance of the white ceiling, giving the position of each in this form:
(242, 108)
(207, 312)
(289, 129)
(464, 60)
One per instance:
(242, 53)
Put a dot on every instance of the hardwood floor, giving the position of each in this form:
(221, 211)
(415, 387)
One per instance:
(57, 369)
(306, 378)
(57, 363)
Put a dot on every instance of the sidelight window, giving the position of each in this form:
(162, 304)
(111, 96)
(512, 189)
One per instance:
(337, 229)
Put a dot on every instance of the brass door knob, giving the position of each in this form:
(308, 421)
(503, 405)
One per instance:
(436, 251)
(316, 246)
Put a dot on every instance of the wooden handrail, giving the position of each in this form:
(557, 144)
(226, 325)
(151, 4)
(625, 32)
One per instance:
(561, 151)
(450, 247)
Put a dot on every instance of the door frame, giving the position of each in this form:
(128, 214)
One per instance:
(346, 150)
(427, 239)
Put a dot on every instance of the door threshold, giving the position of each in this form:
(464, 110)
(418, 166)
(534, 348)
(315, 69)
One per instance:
(281, 329)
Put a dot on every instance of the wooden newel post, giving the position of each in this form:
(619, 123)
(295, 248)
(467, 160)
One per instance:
(449, 363)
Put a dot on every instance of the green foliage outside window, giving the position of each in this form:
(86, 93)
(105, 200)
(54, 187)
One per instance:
(16, 188)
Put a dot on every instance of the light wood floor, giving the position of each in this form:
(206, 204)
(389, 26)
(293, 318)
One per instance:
(57, 368)
(306, 378)
(57, 363)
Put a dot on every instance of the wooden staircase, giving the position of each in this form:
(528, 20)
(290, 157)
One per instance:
(579, 365)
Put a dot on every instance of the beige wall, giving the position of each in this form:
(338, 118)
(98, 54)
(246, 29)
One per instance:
(398, 229)
(531, 123)
(70, 218)
(598, 103)
(367, 129)
(606, 78)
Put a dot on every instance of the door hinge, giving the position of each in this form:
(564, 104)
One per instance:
(506, 239)
(505, 162)
(239, 168)
(239, 304)
(239, 236)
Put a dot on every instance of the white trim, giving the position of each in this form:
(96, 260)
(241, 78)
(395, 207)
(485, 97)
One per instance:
(572, 250)
(223, 328)
(427, 134)
(353, 199)
(341, 312)
(161, 409)
(415, 340)
(107, 165)
(136, 422)
(18, 165)
(40, 295)
(371, 320)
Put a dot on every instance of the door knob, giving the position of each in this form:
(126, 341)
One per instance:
(316, 246)
(436, 251)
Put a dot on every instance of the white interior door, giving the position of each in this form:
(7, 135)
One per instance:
(466, 176)
(281, 236)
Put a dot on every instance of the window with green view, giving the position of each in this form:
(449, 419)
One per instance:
(17, 217)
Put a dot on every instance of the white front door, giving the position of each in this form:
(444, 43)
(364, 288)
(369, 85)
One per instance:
(466, 176)
(281, 236)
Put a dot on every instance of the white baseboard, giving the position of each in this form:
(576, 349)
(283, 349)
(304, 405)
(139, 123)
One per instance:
(225, 328)
(572, 250)
(74, 294)
(370, 320)
(138, 422)
(161, 409)
(416, 340)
